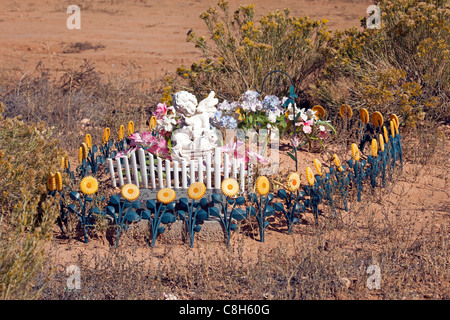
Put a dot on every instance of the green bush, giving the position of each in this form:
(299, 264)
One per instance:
(242, 50)
(27, 216)
(403, 67)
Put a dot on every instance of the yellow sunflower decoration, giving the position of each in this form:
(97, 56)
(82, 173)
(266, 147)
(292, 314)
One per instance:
(381, 142)
(293, 181)
(166, 195)
(385, 134)
(262, 185)
(130, 128)
(106, 134)
(152, 123)
(318, 166)
(88, 140)
(320, 111)
(89, 185)
(130, 191)
(309, 176)
(80, 154)
(395, 118)
(241, 114)
(356, 154)
(374, 148)
(337, 162)
(346, 111)
(196, 190)
(121, 132)
(51, 182)
(364, 115)
(229, 187)
(58, 181)
(392, 128)
(85, 150)
(377, 119)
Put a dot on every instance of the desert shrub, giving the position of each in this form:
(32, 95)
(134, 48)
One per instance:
(403, 67)
(27, 215)
(241, 50)
(81, 100)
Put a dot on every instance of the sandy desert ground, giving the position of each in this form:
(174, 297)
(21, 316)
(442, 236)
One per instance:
(143, 36)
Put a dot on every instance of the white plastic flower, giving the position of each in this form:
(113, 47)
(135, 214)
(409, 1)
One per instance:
(272, 117)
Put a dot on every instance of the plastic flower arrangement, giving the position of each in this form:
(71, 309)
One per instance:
(230, 189)
(124, 211)
(195, 212)
(261, 207)
(92, 159)
(160, 212)
(292, 201)
(88, 186)
(238, 151)
(108, 143)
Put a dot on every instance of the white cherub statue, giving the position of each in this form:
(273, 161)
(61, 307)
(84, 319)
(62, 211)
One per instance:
(195, 137)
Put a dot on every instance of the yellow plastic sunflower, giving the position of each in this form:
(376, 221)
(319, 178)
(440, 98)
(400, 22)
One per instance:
(66, 162)
(395, 118)
(346, 111)
(377, 119)
(85, 150)
(80, 154)
(121, 132)
(166, 195)
(130, 191)
(262, 185)
(392, 128)
(320, 111)
(293, 181)
(106, 134)
(318, 166)
(355, 152)
(309, 176)
(89, 185)
(229, 187)
(51, 182)
(241, 114)
(196, 190)
(58, 181)
(374, 148)
(381, 142)
(130, 128)
(152, 123)
(364, 115)
(88, 140)
(385, 135)
(337, 162)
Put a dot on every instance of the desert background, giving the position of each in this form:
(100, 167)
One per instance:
(145, 37)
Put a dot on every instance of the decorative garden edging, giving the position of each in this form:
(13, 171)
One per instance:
(163, 191)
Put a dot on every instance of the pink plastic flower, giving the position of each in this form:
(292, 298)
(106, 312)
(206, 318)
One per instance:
(161, 110)
(295, 142)
(127, 153)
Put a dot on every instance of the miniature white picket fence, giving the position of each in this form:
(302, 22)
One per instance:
(177, 175)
